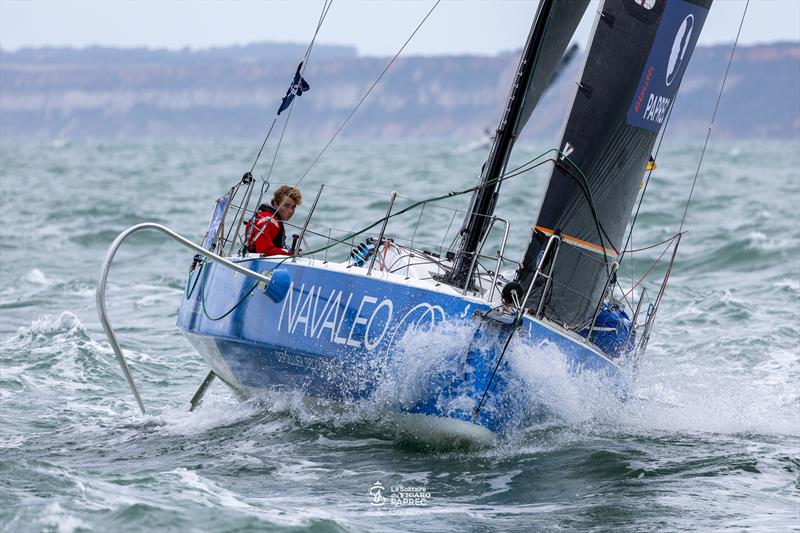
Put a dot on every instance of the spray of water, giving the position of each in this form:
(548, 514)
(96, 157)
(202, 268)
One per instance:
(676, 395)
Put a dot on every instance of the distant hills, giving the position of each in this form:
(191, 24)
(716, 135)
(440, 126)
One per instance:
(233, 92)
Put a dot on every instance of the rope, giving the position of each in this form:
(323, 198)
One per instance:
(187, 292)
(713, 116)
(587, 191)
(349, 116)
(583, 183)
(521, 169)
(645, 248)
(325, 8)
(514, 326)
(436, 199)
(652, 266)
(202, 296)
(347, 119)
(229, 311)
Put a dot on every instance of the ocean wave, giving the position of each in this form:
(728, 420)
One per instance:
(51, 348)
(559, 402)
(36, 277)
(753, 250)
(56, 354)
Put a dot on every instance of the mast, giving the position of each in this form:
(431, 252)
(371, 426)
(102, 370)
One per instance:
(485, 198)
(550, 33)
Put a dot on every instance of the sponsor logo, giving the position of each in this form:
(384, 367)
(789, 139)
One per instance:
(656, 108)
(376, 491)
(399, 496)
(317, 313)
(679, 46)
(647, 4)
(647, 78)
(675, 38)
(300, 361)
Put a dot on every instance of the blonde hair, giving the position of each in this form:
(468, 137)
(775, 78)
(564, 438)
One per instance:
(284, 191)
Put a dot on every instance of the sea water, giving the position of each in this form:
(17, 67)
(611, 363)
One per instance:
(710, 438)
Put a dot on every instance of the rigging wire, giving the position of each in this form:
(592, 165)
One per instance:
(519, 170)
(349, 116)
(629, 239)
(625, 249)
(325, 8)
(522, 169)
(347, 119)
(661, 291)
(713, 116)
(647, 179)
(652, 265)
(436, 199)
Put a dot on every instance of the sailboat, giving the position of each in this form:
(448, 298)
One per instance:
(329, 329)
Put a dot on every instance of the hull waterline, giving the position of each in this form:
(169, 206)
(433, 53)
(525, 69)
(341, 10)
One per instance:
(337, 331)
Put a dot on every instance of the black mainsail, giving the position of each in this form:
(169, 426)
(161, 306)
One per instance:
(551, 31)
(638, 54)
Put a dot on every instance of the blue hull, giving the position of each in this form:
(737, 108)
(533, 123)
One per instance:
(337, 331)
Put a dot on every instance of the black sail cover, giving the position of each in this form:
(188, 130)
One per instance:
(638, 54)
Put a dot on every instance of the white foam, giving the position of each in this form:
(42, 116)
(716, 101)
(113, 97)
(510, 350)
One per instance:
(722, 401)
(764, 243)
(55, 516)
(37, 277)
(678, 395)
(419, 354)
(278, 510)
(211, 414)
(66, 322)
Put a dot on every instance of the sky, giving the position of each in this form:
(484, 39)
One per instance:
(375, 28)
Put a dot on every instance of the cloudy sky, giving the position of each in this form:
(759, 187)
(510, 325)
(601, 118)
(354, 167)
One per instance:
(377, 27)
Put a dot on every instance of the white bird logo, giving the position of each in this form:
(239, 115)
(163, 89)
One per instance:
(679, 47)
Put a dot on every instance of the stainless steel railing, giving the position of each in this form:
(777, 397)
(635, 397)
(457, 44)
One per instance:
(549, 276)
(100, 294)
(477, 254)
(237, 212)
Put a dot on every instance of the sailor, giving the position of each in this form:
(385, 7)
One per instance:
(268, 236)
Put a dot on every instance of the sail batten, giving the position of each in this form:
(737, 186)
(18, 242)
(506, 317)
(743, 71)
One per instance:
(637, 56)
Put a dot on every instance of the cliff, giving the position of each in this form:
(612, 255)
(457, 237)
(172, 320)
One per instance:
(234, 92)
